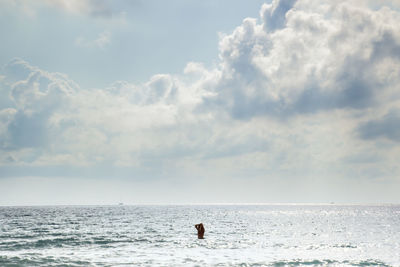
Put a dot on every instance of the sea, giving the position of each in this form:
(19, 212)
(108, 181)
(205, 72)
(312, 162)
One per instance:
(235, 235)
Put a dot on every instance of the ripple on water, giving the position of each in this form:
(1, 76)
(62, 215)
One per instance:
(263, 235)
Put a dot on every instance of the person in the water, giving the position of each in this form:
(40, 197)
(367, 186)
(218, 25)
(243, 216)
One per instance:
(200, 230)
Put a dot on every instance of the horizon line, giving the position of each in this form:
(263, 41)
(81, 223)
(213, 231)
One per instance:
(121, 204)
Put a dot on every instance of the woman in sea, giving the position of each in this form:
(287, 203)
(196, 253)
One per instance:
(200, 230)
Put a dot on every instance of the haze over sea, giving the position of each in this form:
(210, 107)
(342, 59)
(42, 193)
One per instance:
(236, 235)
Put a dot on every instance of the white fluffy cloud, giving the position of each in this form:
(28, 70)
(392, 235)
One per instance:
(310, 58)
(297, 93)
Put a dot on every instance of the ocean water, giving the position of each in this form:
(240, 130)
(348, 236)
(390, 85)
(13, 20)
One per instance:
(236, 235)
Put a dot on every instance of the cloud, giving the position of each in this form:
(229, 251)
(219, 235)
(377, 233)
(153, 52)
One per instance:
(104, 9)
(102, 40)
(283, 100)
(387, 127)
(274, 14)
(313, 59)
(34, 95)
(48, 112)
(96, 8)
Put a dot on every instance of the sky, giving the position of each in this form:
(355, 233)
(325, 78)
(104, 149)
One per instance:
(182, 101)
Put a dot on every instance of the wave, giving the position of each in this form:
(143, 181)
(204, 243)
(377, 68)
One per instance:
(41, 261)
(63, 261)
(326, 262)
(70, 242)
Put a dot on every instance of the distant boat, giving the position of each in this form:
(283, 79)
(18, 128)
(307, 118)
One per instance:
(120, 204)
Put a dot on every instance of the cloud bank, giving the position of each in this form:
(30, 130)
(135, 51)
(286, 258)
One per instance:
(298, 93)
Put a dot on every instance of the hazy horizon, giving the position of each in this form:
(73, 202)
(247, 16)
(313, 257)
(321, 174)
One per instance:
(208, 204)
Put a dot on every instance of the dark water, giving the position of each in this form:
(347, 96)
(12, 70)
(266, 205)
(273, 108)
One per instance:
(249, 235)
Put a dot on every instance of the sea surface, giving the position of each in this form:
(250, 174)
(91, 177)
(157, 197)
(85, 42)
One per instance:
(236, 235)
